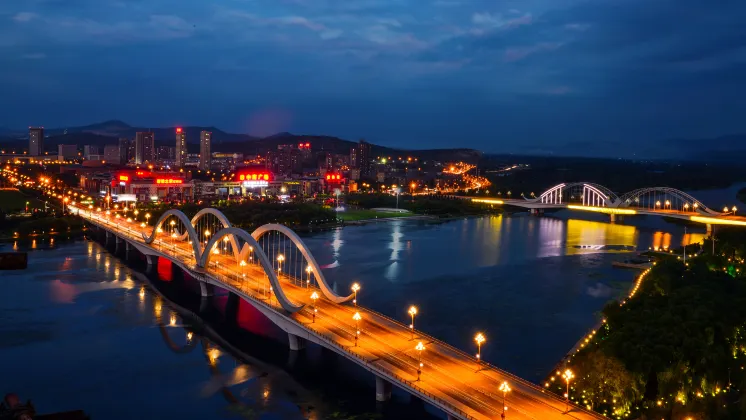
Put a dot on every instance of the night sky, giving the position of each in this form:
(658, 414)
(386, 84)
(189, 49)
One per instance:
(495, 75)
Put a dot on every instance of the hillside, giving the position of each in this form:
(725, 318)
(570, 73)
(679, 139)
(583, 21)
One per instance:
(109, 132)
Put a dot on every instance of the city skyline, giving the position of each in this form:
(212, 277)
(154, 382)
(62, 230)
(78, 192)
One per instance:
(544, 74)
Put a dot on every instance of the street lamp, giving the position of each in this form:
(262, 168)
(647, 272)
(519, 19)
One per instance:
(479, 338)
(280, 259)
(355, 288)
(734, 209)
(419, 347)
(505, 388)
(725, 209)
(308, 280)
(357, 319)
(567, 376)
(412, 312)
(147, 218)
(397, 191)
(314, 296)
(242, 264)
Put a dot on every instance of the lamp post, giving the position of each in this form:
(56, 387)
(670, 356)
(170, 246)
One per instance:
(308, 279)
(355, 288)
(280, 259)
(419, 347)
(505, 388)
(734, 209)
(314, 296)
(147, 218)
(397, 190)
(567, 376)
(479, 338)
(357, 319)
(412, 312)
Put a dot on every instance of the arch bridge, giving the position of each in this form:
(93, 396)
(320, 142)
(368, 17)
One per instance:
(659, 201)
(274, 271)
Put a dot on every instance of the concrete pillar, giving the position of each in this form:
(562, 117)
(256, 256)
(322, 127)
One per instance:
(296, 343)
(204, 304)
(151, 259)
(612, 216)
(206, 289)
(383, 389)
(709, 229)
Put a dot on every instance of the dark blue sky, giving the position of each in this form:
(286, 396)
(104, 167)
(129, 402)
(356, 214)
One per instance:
(491, 74)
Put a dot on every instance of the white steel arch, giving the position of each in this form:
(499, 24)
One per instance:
(204, 260)
(221, 217)
(593, 193)
(315, 269)
(190, 232)
(628, 198)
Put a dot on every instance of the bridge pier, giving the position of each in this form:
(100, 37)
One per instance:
(151, 259)
(709, 229)
(106, 240)
(127, 249)
(296, 343)
(612, 216)
(383, 389)
(204, 304)
(206, 289)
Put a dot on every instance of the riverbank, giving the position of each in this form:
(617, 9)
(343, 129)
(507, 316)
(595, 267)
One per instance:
(673, 347)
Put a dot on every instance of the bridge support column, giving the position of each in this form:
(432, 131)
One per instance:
(204, 304)
(296, 343)
(106, 241)
(612, 216)
(127, 249)
(709, 229)
(151, 259)
(383, 389)
(206, 289)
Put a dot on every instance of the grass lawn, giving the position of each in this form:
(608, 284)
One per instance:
(13, 201)
(352, 215)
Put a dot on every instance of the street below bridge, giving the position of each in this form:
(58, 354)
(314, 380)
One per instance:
(448, 375)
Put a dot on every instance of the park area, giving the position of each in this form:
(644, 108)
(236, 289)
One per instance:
(364, 214)
(12, 200)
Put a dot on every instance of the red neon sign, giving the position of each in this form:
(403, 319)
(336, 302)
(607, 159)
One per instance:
(304, 145)
(178, 130)
(254, 177)
(334, 177)
(168, 181)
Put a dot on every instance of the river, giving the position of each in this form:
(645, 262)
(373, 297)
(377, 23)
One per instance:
(81, 331)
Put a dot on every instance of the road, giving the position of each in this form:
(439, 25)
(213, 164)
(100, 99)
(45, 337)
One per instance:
(448, 374)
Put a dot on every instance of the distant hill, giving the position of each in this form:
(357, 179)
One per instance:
(109, 132)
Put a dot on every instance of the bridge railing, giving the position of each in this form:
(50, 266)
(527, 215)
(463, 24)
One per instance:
(267, 302)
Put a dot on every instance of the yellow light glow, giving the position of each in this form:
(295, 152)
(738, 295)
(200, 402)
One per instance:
(606, 210)
(487, 201)
(716, 221)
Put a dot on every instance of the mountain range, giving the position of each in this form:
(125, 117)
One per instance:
(109, 132)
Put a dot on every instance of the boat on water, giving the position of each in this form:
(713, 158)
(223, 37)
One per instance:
(11, 408)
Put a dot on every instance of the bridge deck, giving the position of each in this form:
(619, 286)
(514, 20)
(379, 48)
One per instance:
(449, 376)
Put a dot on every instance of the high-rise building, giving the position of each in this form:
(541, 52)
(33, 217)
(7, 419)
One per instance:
(166, 154)
(287, 159)
(89, 150)
(353, 158)
(111, 153)
(329, 161)
(67, 151)
(181, 148)
(362, 159)
(36, 141)
(205, 150)
(124, 150)
(144, 147)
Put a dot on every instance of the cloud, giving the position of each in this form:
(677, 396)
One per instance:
(25, 16)
(487, 19)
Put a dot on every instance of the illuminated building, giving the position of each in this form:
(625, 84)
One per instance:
(124, 150)
(153, 186)
(181, 148)
(89, 150)
(144, 147)
(36, 141)
(360, 159)
(67, 151)
(111, 153)
(165, 154)
(205, 153)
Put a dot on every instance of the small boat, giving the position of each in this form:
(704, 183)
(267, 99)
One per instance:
(11, 408)
(636, 264)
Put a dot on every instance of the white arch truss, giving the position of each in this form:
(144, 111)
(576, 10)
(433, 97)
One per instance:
(596, 193)
(204, 260)
(315, 269)
(190, 232)
(628, 198)
(223, 221)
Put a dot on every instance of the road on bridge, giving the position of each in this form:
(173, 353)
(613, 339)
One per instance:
(448, 374)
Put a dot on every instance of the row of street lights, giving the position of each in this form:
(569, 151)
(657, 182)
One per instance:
(420, 347)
